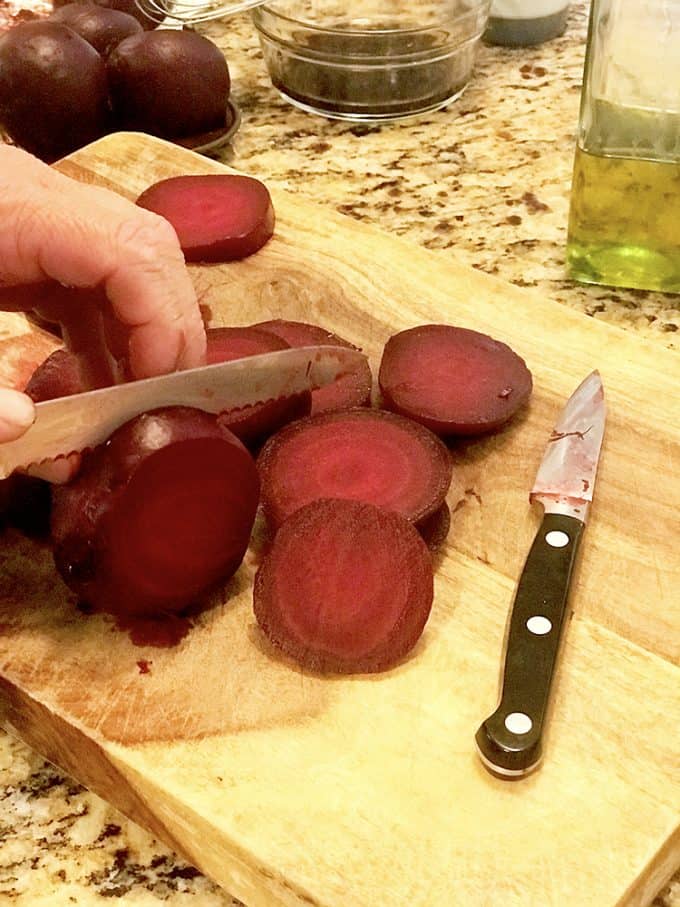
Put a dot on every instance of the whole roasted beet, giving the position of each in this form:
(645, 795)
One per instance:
(157, 515)
(168, 83)
(53, 89)
(130, 7)
(101, 27)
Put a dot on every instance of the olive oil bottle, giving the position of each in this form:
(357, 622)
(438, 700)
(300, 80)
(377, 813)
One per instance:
(624, 219)
(624, 223)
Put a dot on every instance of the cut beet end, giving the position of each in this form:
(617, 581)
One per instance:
(254, 424)
(156, 515)
(350, 390)
(182, 524)
(453, 380)
(346, 587)
(365, 455)
(217, 217)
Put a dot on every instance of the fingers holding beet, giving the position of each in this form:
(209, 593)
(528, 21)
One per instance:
(346, 587)
(453, 380)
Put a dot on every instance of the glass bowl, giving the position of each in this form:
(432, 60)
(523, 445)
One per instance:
(374, 61)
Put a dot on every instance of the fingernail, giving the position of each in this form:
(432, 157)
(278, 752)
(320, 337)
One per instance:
(18, 410)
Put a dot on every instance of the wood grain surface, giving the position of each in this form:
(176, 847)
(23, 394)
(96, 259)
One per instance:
(295, 789)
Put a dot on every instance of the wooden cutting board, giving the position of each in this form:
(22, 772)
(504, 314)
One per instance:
(292, 789)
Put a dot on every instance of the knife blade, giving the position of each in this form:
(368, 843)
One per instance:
(510, 740)
(72, 424)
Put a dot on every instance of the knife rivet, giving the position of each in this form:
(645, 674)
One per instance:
(539, 625)
(518, 723)
(557, 538)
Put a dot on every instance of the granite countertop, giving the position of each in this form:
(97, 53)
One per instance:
(486, 180)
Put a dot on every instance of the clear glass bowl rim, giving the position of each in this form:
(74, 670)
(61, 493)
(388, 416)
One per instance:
(261, 8)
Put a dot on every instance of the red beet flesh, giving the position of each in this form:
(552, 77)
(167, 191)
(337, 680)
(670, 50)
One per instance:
(346, 587)
(453, 380)
(362, 454)
(217, 217)
(157, 515)
(253, 424)
(349, 390)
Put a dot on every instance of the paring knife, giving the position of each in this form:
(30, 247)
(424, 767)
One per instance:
(71, 424)
(510, 740)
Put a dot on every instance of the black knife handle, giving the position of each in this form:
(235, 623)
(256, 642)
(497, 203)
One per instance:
(509, 741)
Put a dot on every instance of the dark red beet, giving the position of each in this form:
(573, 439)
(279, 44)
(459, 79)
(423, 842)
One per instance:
(346, 587)
(53, 89)
(217, 217)
(168, 83)
(101, 27)
(57, 376)
(253, 424)
(349, 390)
(125, 6)
(157, 515)
(453, 380)
(362, 454)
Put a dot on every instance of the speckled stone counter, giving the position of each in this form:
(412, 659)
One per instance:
(486, 180)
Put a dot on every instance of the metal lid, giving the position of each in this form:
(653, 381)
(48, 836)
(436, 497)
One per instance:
(194, 11)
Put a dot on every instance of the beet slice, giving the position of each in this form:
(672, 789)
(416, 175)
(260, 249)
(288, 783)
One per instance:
(349, 390)
(453, 380)
(362, 454)
(253, 424)
(217, 217)
(346, 587)
(157, 515)
(57, 376)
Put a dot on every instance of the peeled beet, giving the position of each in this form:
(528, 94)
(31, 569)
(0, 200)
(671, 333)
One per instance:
(53, 89)
(349, 390)
(157, 515)
(362, 454)
(453, 380)
(217, 217)
(101, 27)
(168, 83)
(253, 424)
(345, 587)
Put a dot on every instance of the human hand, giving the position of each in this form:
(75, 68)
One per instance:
(134, 313)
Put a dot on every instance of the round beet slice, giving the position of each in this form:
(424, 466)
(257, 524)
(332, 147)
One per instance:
(453, 380)
(253, 424)
(157, 515)
(217, 217)
(346, 587)
(347, 391)
(362, 454)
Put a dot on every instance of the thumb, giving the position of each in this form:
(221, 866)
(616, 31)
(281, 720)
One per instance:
(16, 414)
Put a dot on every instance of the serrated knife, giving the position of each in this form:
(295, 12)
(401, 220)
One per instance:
(510, 740)
(72, 424)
